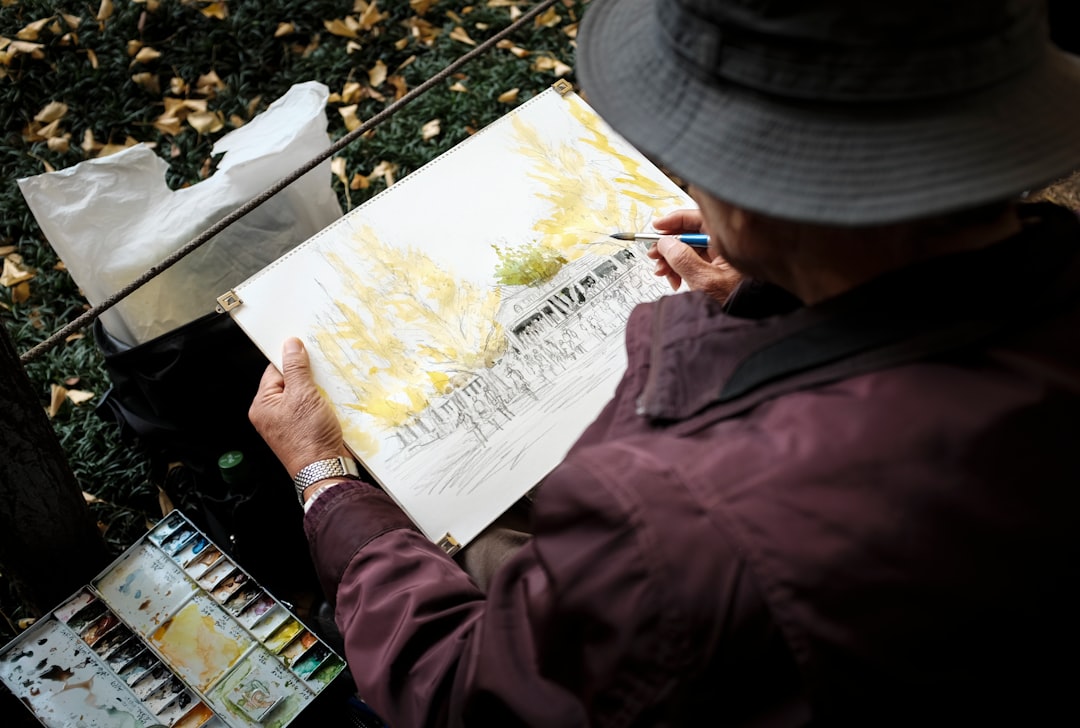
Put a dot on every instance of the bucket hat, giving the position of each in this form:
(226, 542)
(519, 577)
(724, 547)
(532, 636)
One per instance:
(841, 112)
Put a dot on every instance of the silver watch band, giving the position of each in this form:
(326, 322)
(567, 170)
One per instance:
(339, 467)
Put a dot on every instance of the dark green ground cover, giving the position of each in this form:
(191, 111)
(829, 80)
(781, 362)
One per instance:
(256, 68)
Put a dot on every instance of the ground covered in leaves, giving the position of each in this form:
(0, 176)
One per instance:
(79, 80)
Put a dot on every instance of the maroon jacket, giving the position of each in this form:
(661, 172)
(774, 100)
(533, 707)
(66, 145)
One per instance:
(862, 512)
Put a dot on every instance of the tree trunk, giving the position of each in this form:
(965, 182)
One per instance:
(49, 542)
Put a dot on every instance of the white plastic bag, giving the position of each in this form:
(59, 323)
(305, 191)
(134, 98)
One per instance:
(113, 218)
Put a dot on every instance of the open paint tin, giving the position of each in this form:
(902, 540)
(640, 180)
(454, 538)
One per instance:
(173, 633)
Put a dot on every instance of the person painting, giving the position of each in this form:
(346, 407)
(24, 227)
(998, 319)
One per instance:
(838, 483)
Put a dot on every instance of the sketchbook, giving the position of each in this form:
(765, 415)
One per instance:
(467, 322)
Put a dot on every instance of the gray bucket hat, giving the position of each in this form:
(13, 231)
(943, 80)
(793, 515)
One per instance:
(844, 112)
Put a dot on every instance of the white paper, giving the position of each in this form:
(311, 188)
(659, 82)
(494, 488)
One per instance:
(448, 395)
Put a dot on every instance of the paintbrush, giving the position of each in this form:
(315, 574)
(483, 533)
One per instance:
(694, 240)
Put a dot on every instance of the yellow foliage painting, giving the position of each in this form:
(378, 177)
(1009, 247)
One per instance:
(466, 323)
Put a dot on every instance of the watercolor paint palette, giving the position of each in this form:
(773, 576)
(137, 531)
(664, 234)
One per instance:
(173, 633)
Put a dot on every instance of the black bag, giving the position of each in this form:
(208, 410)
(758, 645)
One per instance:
(183, 398)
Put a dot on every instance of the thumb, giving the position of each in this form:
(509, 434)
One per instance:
(295, 365)
(685, 261)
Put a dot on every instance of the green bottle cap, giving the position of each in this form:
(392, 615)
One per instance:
(232, 466)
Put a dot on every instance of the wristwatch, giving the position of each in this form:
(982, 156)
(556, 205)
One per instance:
(339, 467)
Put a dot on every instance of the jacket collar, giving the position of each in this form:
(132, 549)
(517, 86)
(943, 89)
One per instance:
(702, 357)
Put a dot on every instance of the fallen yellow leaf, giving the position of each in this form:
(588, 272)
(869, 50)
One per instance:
(209, 84)
(20, 293)
(59, 144)
(78, 396)
(420, 7)
(198, 105)
(377, 74)
(284, 29)
(146, 54)
(206, 122)
(105, 10)
(26, 622)
(431, 129)
(337, 167)
(56, 400)
(33, 30)
(148, 81)
(168, 125)
(50, 131)
(34, 50)
(459, 87)
(7, 250)
(359, 182)
(74, 337)
(15, 271)
(339, 27)
(215, 10)
(92, 57)
(401, 87)
(89, 144)
(73, 21)
(460, 35)
(91, 498)
(548, 19)
(385, 170)
(509, 97)
(348, 115)
(352, 93)
(370, 15)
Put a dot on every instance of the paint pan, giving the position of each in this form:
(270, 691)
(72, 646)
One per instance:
(243, 599)
(124, 654)
(166, 526)
(269, 622)
(86, 616)
(163, 695)
(292, 651)
(256, 610)
(330, 669)
(139, 667)
(311, 660)
(177, 540)
(191, 549)
(197, 716)
(282, 635)
(118, 636)
(151, 683)
(202, 563)
(229, 586)
(214, 576)
(100, 628)
(67, 610)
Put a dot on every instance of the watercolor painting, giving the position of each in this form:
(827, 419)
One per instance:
(467, 322)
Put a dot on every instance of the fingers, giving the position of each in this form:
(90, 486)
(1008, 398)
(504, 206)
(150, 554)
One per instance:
(684, 261)
(685, 264)
(295, 365)
(680, 221)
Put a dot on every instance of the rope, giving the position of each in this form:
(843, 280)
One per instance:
(94, 313)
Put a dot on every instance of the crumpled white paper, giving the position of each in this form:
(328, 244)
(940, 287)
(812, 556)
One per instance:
(113, 218)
